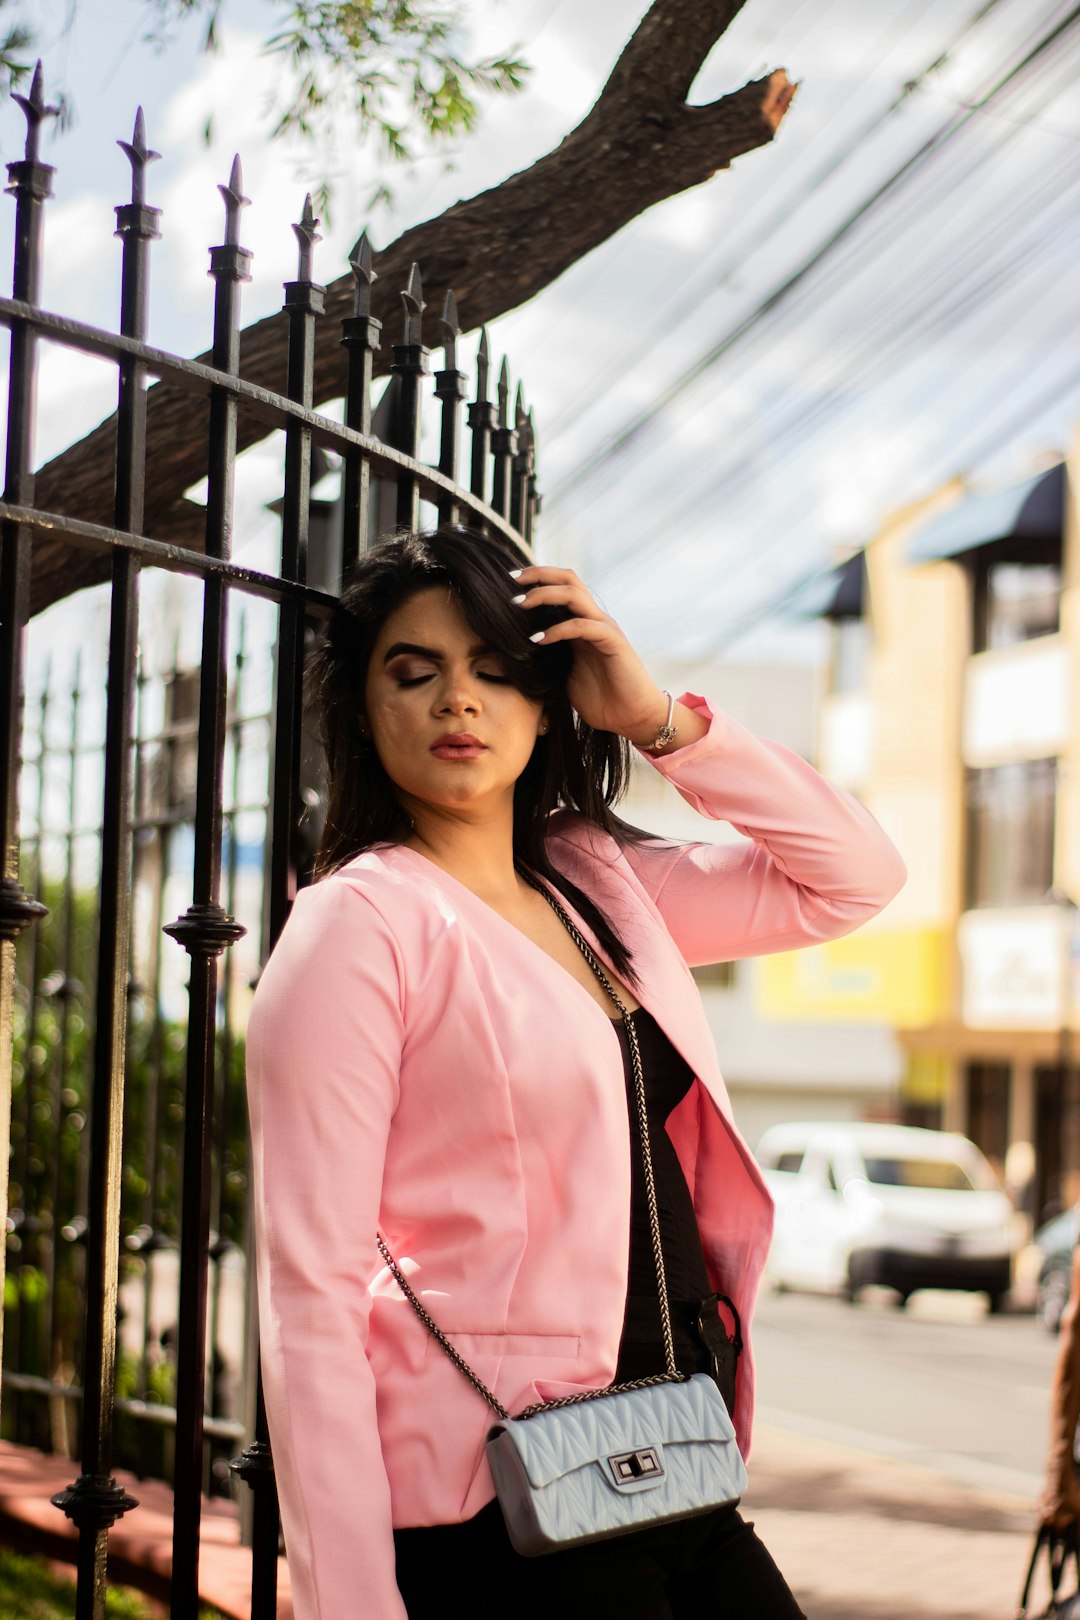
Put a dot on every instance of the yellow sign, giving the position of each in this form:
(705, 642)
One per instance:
(926, 1081)
(891, 977)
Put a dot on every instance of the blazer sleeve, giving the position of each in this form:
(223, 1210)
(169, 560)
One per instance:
(813, 865)
(323, 1060)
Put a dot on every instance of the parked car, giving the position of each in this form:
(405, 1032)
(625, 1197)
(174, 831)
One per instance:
(889, 1204)
(1055, 1242)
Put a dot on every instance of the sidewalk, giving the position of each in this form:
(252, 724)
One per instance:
(859, 1537)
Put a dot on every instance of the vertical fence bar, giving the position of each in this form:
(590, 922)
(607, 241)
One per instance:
(144, 1241)
(520, 468)
(24, 1211)
(532, 505)
(503, 448)
(67, 989)
(360, 336)
(222, 1245)
(31, 182)
(31, 1424)
(450, 390)
(410, 364)
(95, 1500)
(481, 419)
(205, 929)
(304, 302)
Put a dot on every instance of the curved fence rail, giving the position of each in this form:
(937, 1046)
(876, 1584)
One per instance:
(127, 1142)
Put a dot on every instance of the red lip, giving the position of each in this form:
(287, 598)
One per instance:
(458, 739)
(458, 745)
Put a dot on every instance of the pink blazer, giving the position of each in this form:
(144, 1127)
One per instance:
(416, 1064)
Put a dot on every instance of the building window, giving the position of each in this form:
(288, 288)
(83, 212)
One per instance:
(715, 975)
(1010, 816)
(1015, 601)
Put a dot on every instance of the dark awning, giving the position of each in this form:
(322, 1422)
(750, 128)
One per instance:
(1033, 510)
(839, 594)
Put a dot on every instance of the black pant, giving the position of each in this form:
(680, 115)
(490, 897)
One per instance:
(707, 1568)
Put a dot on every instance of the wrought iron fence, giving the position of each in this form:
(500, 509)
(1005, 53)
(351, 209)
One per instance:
(128, 1133)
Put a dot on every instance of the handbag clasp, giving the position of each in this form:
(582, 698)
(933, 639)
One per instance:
(630, 1466)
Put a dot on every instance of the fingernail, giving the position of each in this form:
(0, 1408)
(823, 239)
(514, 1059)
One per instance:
(520, 598)
(539, 636)
(516, 573)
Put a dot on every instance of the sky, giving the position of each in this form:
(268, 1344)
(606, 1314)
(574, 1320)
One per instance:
(882, 299)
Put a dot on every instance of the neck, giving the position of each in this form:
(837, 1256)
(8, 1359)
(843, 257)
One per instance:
(479, 853)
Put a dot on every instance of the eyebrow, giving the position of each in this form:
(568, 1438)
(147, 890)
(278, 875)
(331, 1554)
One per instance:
(417, 651)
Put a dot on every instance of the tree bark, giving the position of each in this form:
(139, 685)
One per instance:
(640, 143)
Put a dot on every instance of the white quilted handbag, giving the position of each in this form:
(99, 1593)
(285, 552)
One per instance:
(600, 1468)
(608, 1461)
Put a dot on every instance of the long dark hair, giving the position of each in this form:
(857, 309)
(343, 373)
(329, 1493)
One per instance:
(572, 766)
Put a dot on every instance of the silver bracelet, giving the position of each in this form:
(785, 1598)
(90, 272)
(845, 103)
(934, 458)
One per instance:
(667, 732)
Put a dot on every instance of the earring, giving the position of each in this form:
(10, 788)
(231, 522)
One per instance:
(543, 728)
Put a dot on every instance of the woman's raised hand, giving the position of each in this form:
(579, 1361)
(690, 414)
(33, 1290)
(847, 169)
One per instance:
(609, 685)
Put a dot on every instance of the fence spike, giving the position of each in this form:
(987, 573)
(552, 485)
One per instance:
(451, 329)
(35, 110)
(307, 234)
(363, 275)
(413, 299)
(138, 155)
(504, 393)
(520, 416)
(235, 200)
(483, 363)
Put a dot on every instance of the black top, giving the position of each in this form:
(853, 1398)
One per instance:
(668, 1078)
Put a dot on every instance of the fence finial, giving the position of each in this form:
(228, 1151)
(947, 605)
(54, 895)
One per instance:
(138, 155)
(307, 234)
(483, 363)
(520, 416)
(235, 200)
(363, 275)
(451, 330)
(413, 299)
(504, 393)
(36, 111)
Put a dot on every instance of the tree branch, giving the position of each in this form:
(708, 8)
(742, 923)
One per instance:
(667, 50)
(639, 144)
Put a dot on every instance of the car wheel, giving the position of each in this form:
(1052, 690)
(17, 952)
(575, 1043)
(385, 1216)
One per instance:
(1050, 1298)
(997, 1302)
(902, 1299)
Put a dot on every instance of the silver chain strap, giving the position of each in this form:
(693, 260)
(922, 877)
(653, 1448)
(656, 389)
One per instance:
(459, 1361)
(672, 1373)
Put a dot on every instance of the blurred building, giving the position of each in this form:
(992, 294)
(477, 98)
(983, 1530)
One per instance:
(953, 710)
(814, 1055)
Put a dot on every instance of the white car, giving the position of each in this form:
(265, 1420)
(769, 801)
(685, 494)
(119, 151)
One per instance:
(889, 1204)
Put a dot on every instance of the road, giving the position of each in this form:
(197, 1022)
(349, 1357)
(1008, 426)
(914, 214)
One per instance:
(940, 1384)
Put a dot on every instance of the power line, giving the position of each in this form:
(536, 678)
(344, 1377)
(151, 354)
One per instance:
(1062, 388)
(911, 166)
(773, 606)
(779, 218)
(876, 348)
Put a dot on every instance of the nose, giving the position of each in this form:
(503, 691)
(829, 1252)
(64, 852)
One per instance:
(459, 694)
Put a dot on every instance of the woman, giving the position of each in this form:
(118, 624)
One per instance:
(1060, 1506)
(431, 1057)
